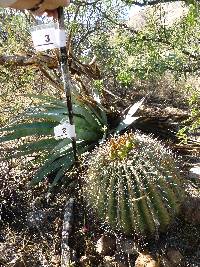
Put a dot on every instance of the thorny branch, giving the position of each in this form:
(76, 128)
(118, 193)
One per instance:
(149, 3)
(147, 38)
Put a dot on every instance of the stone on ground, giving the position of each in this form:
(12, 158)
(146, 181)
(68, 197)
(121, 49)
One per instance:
(146, 260)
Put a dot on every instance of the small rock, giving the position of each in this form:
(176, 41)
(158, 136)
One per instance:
(19, 263)
(37, 218)
(88, 260)
(191, 210)
(55, 260)
(113, 262)
(127, 245)
(146, 260)
(164, 262)
(121, 260)
(194, 172)
(174, 256)
(2, 238)
(106, 245)
(108, 262)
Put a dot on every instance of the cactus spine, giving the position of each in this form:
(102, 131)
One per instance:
(133, 184)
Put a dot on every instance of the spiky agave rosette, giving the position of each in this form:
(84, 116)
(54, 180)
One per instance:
(133, 183)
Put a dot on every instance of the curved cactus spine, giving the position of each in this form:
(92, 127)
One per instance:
(133, 184)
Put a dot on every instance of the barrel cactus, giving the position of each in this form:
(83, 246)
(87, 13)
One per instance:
(133, 184)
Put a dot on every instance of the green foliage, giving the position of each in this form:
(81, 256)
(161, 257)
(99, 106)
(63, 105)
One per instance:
(133, 184)
(38, 123)
(15, 39)
(158, 45)
(191, 126)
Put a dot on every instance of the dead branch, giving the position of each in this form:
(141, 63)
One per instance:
(19, 60)
(41, 60)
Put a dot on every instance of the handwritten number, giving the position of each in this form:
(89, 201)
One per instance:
(64, 130)
(47, 38)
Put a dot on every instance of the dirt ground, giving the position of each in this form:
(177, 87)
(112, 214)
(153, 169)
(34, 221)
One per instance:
(32, 218)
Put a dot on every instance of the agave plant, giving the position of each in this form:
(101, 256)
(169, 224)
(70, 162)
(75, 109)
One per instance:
(38, 122)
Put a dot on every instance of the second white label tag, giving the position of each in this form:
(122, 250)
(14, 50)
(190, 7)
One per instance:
(64, 130)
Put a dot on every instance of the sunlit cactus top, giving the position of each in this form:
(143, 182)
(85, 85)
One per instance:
(119, 148)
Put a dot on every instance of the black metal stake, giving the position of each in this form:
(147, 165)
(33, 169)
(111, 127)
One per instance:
(66, 81)
(67, 88)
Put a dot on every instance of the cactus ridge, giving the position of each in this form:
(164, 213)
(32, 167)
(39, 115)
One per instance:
(133, 184)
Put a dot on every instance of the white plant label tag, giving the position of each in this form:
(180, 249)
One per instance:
(64, 130)
(44, 39)
(47, 36)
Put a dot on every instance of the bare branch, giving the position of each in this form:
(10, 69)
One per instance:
(51, 79)
(18, 60)
(150, 3)
(39, 61)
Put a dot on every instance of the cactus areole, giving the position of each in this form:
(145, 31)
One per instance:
(134, 185)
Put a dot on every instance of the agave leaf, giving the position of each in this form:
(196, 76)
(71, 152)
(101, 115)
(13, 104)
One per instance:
(48, 99)
(134, 108)
(96, 97)
(48, 168)
(39, 145)
(62, 171)
(82, 124)
(58, 163)
(29, 126)
(85, 110)
(88, 135)
(129, 119)
(103, 115)
(51, 113)
(52, 116)
(62, 144)
(99, 113)
(86, 114)
(79, 106)
(125, 123)
(56, 155)
(95, 108)
(61, 114)
(51, 107)
(27, 129)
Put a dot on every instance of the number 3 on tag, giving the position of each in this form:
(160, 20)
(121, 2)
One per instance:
(44, 39)
(47, 38)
